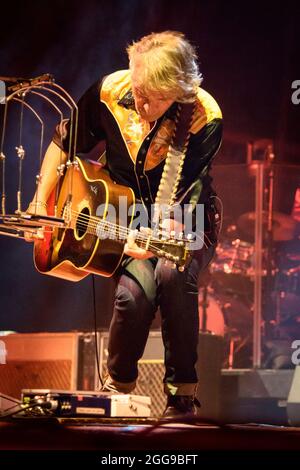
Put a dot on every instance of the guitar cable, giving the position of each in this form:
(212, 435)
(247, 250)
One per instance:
(96, 330)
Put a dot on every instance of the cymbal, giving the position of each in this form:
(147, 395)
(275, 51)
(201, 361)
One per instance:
(293, 256)
(283, 225)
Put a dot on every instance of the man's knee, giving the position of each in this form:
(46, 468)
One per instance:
(125, 300)
(132, 301)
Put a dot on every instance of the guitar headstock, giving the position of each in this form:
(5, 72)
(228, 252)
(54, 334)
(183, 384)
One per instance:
(173, 248)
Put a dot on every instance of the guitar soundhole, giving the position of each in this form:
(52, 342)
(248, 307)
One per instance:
(82, 222)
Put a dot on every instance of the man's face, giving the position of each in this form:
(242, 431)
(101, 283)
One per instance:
(149, 105)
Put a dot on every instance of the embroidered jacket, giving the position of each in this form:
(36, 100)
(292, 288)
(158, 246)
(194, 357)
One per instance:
(135, 153)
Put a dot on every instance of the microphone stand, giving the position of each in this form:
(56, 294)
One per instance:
(269, 318)
(204, 305)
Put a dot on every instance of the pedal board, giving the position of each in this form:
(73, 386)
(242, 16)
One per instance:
(62, 403)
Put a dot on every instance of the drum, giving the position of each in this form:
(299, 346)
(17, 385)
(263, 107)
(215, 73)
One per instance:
(286, 293)
(225, 314)
(214, 321)
(232, 268)
(238, 316)
(230, 317)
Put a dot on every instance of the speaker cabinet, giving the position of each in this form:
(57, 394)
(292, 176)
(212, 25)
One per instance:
(255, 395)
(270, 396)
(210, 359)
(293, 402)
(63, 361)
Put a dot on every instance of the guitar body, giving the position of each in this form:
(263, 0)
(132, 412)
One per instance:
(74, 252)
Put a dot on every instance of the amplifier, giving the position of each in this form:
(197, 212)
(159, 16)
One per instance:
(293, 402)
(67, 361)
(255, 395)
(48, 360)
(64, 403)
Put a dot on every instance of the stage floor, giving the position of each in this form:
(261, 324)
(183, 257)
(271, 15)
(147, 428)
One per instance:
(106, 436)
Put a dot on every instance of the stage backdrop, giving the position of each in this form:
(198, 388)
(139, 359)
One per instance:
(248, 56)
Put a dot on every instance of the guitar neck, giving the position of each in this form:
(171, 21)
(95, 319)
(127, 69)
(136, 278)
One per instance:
(161, 246)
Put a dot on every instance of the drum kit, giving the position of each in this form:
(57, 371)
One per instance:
(226, 296)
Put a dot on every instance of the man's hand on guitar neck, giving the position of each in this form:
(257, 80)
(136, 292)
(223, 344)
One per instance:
(133, 250)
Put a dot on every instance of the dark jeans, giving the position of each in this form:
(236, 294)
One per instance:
(142, 287)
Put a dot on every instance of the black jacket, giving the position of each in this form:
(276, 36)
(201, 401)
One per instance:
(135, 153)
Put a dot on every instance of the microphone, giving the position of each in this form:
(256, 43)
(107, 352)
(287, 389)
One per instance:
(16, 83)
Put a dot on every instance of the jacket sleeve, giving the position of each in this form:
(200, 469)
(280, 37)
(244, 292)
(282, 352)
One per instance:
(201, 151)
(195, 186)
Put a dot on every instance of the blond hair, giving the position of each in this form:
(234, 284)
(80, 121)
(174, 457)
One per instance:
(170, 65)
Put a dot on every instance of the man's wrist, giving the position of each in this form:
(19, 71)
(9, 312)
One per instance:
(38, 204)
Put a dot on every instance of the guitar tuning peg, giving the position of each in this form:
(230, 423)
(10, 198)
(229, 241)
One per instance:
(172, 234)
(180, 236)
(173, 266)
(181, 269)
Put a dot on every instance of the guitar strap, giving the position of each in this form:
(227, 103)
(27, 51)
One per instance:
(166, 194)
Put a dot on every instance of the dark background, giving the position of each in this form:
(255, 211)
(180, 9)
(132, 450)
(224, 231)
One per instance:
(249, 56)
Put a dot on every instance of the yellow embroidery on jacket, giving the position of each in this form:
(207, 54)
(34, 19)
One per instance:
(134, 129)
(160, 143)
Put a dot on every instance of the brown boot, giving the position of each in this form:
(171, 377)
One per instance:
(180, 406)
(114, 386)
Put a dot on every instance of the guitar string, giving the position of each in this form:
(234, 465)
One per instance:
(85, 222)
(140, 237)
(97, 221)
(107, 226)
(143, 239)
(86, 218)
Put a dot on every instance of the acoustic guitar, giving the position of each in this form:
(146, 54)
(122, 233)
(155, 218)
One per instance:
(91, 240)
